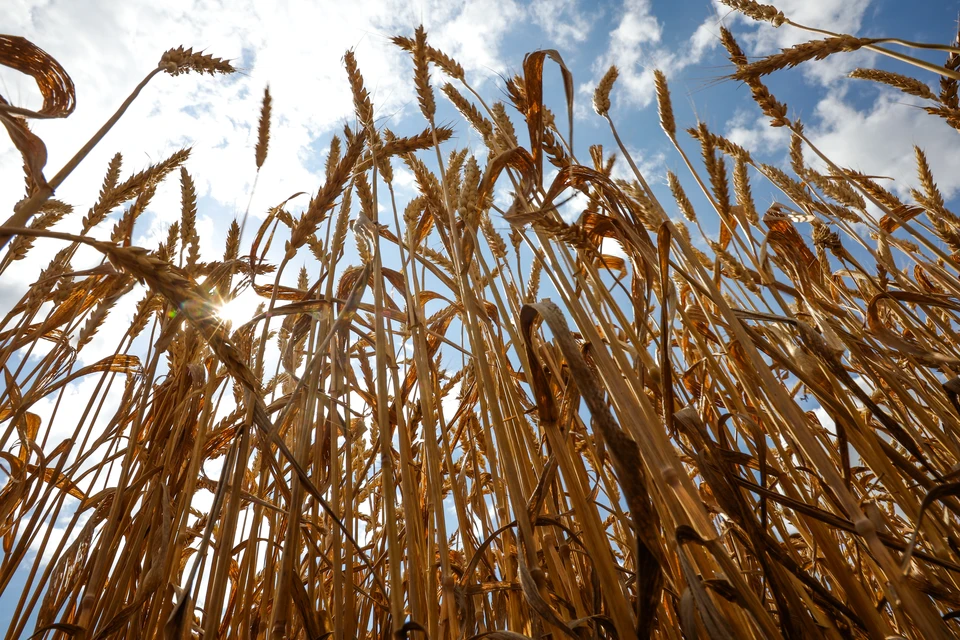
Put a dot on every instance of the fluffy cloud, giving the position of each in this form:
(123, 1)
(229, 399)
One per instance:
(294, 47)
(880, 140)
(757, 135)
(561, 20)
(877, 140)
(838, 16)
(636, 47)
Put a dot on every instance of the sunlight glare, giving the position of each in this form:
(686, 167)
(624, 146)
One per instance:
(241, 309)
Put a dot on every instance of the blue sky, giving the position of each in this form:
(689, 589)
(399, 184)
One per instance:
(296, 48)
(298, 51)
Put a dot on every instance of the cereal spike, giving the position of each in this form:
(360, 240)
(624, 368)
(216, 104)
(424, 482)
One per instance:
(663, 104)
(421, 76)
(263, 130)
(601, 96)
(180, 60)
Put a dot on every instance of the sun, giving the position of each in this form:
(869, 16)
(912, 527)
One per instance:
(241, 309)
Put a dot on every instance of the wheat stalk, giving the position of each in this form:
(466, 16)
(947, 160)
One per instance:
(453, 434)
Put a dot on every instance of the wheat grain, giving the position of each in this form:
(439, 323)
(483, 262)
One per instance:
(772, 108)
(470, 112)
(686, 207)
(601, 95)
(663, 103)
(421, 75)
(263, 129)
(724, 144)
(188, 218)
(117, 194)
(180, 60)
(908, 85)
(717, 171)
(798, 54)
(442, 60)
(361, 97)
(506, 134)
(741, 187)
(757, 11)
(420, 459)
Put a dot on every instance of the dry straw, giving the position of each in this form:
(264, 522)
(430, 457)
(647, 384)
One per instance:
(464, 438)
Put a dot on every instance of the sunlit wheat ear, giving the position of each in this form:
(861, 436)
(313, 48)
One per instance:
(729, 147)
(452, 177)
(516, 89)
(686, 207)
(450, 66)
(757, 11)
(361, 98)
(908, 85)
(427, 183)
(417, 142)
(469, 112)
(232, 248)
(601, 95)
(741, 187)
(180, 60)
(742, 438)
(190, 240)
(796, 150)
(468, 206)
(333, 157)
(717, 171)
(798, 54)
(321, 204)
(263, 129)
(931, 191)
(113, 194)
(506, 134)
(771, 107)
(52, 212)
(663, 104)
(421, 75)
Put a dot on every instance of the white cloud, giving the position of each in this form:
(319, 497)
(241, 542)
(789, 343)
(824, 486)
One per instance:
(51, 537)
(450, 403)
(612, 247)
(825, 420)
(294, 47)
(472, 33)
(746, 130)
(704, 38)
(561, 20)
(879, 141)
(637, 49)
(650, 166)
(633, 48)
(573, 205)
(74, 399)
(838, 16)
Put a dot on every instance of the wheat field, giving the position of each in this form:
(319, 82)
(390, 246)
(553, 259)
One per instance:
(520, 434)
